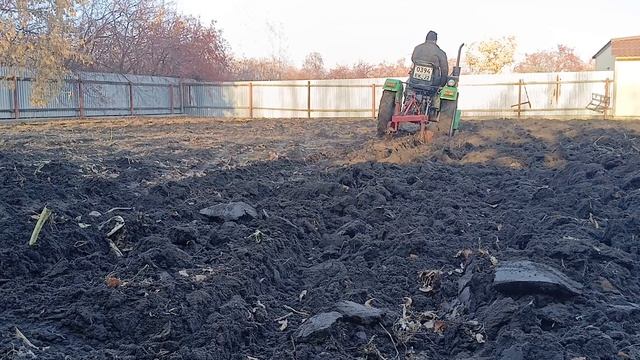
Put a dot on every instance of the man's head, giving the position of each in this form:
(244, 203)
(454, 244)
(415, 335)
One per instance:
(432, 36)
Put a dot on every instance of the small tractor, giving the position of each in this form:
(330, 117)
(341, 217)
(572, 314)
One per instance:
(415, 103)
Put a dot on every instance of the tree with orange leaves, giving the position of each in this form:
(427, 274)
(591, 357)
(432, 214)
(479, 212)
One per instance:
(561, 59)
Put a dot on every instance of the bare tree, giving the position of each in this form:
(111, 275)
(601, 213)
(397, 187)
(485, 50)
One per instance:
(150, 37)
(313, 66)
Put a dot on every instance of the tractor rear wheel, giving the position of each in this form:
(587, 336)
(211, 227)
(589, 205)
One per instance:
(385, 111)
(448, 110)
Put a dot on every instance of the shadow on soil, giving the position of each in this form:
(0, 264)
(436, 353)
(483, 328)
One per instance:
(198, 289)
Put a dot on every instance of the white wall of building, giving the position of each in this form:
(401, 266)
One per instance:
(627, 88)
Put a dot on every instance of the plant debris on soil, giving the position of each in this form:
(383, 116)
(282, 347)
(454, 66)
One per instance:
(309, 239)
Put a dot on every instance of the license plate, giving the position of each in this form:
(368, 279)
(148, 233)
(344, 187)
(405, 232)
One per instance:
(423, 72)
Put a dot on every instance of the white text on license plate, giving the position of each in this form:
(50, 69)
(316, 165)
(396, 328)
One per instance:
(422, 72)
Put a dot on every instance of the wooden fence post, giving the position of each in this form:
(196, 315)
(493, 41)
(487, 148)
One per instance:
(80, 98)
(607, 95)
(557, 90)
(373, 101)
(308, 99)
(520, 83)
(16, 99)
(171, 97)
(250, 100)
(130, 98)
(181, 90)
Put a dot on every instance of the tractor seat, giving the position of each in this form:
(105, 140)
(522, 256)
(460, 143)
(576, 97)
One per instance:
(429, 89)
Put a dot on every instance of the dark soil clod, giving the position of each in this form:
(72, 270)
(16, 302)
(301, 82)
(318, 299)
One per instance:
(317, 325)
(230, 212)
(529, 277)
(359, 313)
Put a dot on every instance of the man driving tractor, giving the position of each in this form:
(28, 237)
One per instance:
(428, 97)
(430, 52)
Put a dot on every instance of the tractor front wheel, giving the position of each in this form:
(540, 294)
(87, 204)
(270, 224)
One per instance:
(385, 111)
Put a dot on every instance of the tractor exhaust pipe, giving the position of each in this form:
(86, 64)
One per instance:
(456, 69)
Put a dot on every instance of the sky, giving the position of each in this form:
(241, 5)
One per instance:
(347, 31)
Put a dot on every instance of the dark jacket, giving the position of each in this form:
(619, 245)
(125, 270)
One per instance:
(430, 52)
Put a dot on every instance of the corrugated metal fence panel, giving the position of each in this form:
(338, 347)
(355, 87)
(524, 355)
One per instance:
(220, 100)
(335, 99)
(276, 99)
(108, 94)
(65, 104)
(106, 99)
(6, 95)
(6, 101)
(329, 98)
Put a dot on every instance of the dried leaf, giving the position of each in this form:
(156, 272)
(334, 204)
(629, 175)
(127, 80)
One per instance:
(368, 302)
(112, 281)
(480, 338)
(593, 221)
(115, 248)
(407, 302)
(119, 225)
(429, 315)
(494, 260)
(302, 295)
(439, 326)
(183, 273)
(83, 225)
(257, 236)
(200, 278)
(465, 253)
(606, 285)
(283, 324)
(429, 324)
(95, 214)
(430, 280)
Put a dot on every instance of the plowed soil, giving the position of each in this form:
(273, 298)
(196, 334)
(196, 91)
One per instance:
(341, 216)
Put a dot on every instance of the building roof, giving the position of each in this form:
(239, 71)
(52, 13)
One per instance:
(629, 46)
(602, 50)
(622, 47)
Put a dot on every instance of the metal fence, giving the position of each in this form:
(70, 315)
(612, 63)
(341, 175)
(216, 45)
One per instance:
(93, 94)
(504, 96)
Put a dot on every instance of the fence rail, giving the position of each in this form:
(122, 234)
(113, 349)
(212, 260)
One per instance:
(515, 95)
